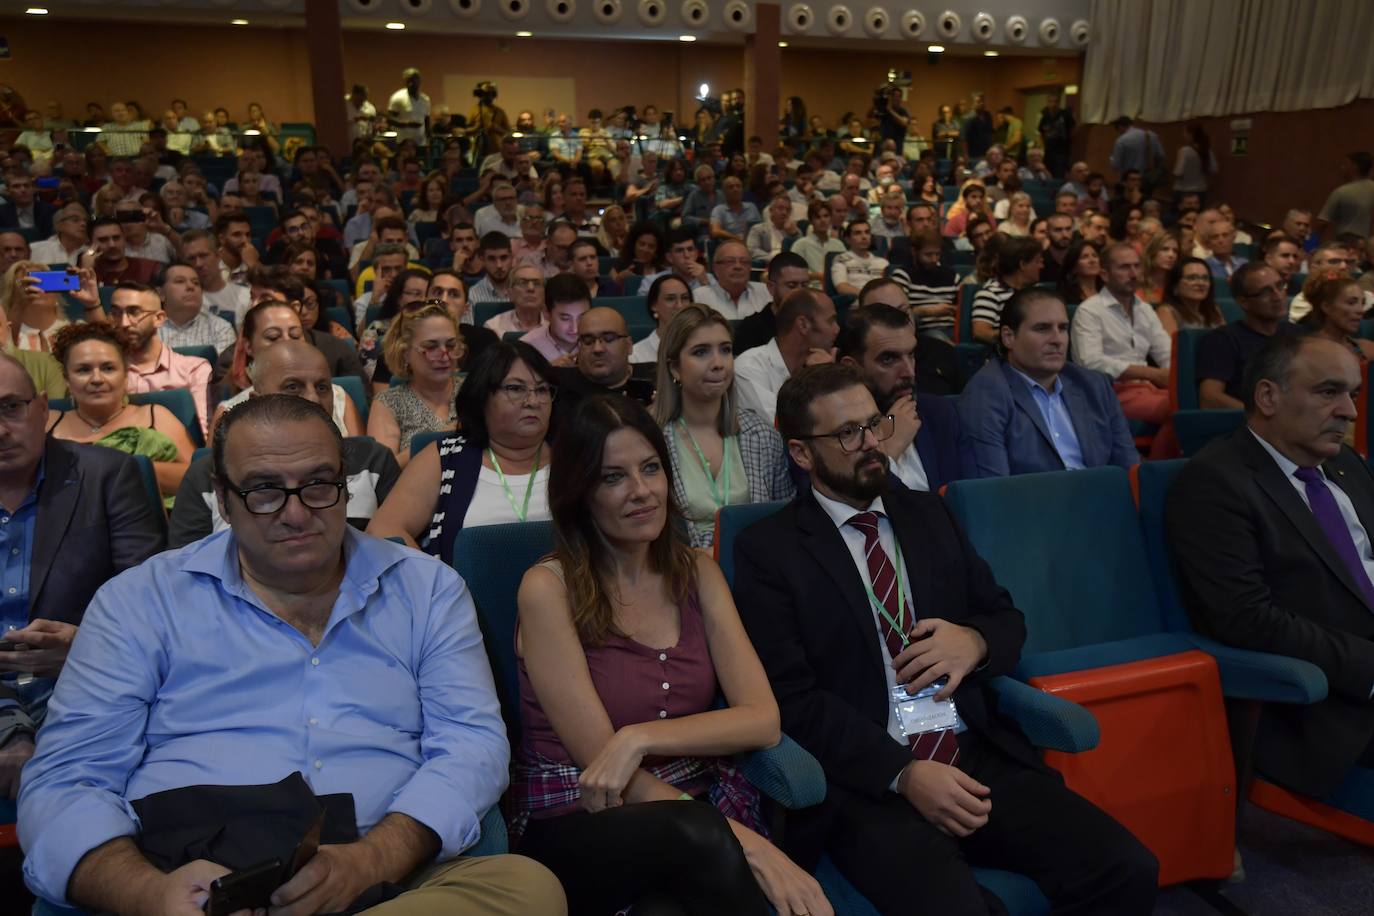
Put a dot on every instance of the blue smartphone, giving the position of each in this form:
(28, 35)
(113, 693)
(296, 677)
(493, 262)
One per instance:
(57, 281)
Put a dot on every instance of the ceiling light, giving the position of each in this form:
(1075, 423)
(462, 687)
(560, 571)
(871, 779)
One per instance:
(992, 54)
(252, 132)
(36, 11)
(936, 49)
(238, 21)
(1071, 89)
(396, 26)
(686, 38)
(782, 44)
(524, 34)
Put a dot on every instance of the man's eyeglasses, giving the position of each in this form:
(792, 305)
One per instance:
(133, 314)
(851, 435)
(269, 500)
(14, 410)
(605, 337)
(527, 283)
(520, 394)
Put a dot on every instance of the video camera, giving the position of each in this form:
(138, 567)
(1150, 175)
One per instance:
(485, 92)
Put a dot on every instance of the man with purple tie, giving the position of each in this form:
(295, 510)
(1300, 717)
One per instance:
(880, 629)
(1271, 530)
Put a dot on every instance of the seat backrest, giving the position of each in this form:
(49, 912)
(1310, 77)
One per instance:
(730, 521)
(1195, 428)
(353, 387)
(482, 312)
(963, 329)
(1183, 368)
(1067, 545)
(631, 308)
(206, 353)
(148, 476)
(492, 559)
(420, 440)
(182, 406)
(1154, 479)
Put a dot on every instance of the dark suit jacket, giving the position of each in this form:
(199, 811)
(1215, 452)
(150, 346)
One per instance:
(803, 603)
(1258, 572)
(42, 217)
(1005, 433)
(94, 521)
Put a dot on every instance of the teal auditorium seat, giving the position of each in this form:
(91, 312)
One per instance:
(420, 440)
(1049, 722)
(148, 477)
(1183, 368)
(1195, 428)
(353, 387)
(177, 400)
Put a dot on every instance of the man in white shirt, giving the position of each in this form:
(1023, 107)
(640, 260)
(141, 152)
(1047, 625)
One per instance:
(501, 214)
(68, 240)
(362, 114)
(682, 260)
(766, 239)
(733, 294)
(505, 162)
(807, 328)
(408, 109)
(227, 300)
(818, 241)
(35, 138)
(855, 267)
(1116, 332)
(189, 323)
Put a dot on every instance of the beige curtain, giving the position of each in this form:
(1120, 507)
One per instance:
(1169, 60)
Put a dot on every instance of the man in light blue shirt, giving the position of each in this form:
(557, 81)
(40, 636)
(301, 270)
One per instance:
(1136, 149)
(1033, 411)
(289, 643)
(732, 219)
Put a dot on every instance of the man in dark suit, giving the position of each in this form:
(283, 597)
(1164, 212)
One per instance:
(909, 807)
(23, 209)
(937, 366)
(880, 342)
(1034, 411)
(1271, 529)
(71, 517)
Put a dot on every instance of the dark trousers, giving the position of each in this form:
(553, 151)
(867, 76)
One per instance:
(1083, 860)
(667, 858)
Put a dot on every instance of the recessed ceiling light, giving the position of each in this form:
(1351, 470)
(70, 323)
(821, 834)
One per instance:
(396, 26)
(686, 38)
(36, 11)
(524, 34)
(992, 54)
(936, 49)
(238, 21)
(782, 44)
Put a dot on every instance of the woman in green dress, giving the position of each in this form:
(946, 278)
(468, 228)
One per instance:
(94, 364)
(722, 454)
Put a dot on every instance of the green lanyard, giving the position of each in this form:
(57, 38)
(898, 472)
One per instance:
(721, 496)
(898, 625)
(520, 512)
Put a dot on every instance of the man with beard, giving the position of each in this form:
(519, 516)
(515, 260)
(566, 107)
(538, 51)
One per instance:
(807, 328)
(152, 364)
(1031, 410)
(603, 362)
(108, 260)
(923, 450)
(915, 798)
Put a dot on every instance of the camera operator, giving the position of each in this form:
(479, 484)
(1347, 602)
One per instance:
(891, 116)
(730, 127)
(487, 122)
(408, 110)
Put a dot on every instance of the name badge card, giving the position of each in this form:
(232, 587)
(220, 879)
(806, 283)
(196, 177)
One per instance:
(923, 713)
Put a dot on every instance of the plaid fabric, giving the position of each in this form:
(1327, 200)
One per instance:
(546, 788)
(765, 466)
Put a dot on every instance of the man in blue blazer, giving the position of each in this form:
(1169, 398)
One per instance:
(1034, 411)
(924, 450)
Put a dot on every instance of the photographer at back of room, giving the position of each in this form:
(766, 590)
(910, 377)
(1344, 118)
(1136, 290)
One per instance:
(730, 127)
(892, 117)
(488, 122)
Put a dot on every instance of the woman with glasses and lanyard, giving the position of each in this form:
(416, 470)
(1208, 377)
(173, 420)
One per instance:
(722, 454)
(425, 346)
(495, 471)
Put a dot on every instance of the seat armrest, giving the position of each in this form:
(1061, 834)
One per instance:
(1250, 675)
(1050, 722)
(494, 840)
(786, 773)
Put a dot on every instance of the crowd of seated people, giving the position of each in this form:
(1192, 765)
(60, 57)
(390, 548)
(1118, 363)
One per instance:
(573, 326)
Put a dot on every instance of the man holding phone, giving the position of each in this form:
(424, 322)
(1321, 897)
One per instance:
(311, 647)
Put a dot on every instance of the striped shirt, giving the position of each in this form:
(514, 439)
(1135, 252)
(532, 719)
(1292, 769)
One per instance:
(929, 287)
(987, 304)
(204, 330)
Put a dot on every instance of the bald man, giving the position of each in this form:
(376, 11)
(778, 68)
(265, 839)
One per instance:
(296, 368)
(603, 362)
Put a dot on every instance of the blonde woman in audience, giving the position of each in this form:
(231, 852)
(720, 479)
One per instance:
(1159, 257)
(615, 228)
(494, 471)
(721, 454)
(35, 316)
(1019, 215)
(425, 350)
(94, 363)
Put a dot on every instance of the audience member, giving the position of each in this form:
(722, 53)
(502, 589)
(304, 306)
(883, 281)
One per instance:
(1059, 229)
(1194, 162)
(301, 560)
(585, 265)
(732, 217)
(58, 500)
(967, 791)
(768, 238)
(971, 202)
(237, 253)
(806, 331)
(221, 298)
(931, 289)
(720, 454)
(621, 580)
(95, 365)
(527, 312)
(937, 369)
(1269, 532)
(1189, 298)
(857, 265)
(666, 297)
(1018, 262)
(818, 241)
(68, 240)
(13, 249)
(641, 256)
(492, 472)
(565, 299)
(1221, 241)
(43, 370)
(1350, 207)
(1117, 333)
(1224, 354)
(1284, 255)
(188, 322)
(786, 273)
(1337, 310)
(602, 364)
(1158, 257)
(1080, 275)
(732, 293)
(38, 315)
(407, 289)
(108, 259)
(298, 369)
(1330, 259)
(23, 208)
(500, 215)
(495, 251)
(153, 365)
(1297, 225)
(1031, 410)
(425, 348)
(922, 444)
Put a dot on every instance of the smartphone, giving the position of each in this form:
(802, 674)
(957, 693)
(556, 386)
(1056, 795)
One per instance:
(57, 281)
(7, 646)
(247, 889)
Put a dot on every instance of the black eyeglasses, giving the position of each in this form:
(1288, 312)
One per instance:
(269, 500)
(607, 338)
(13, 410)
(851, 435)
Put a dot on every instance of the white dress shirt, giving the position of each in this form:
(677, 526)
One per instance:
(646, 351)
(755, 298)
(759, 373)
(487, 219)
(909, 469)
(1105, 340)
